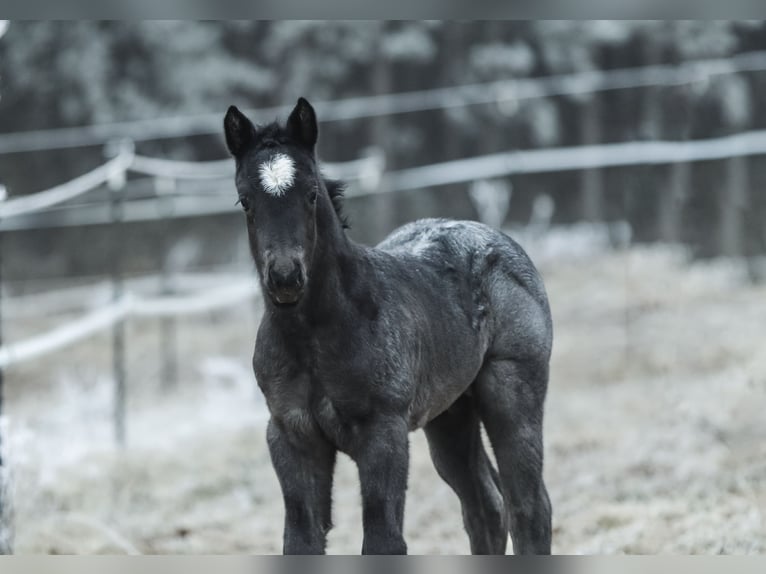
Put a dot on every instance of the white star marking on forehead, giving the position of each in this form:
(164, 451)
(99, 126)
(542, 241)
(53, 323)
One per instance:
(277, 174)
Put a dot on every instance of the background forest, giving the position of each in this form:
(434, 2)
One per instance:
(57, 75)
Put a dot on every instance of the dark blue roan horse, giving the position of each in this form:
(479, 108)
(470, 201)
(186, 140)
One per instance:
(443, 326)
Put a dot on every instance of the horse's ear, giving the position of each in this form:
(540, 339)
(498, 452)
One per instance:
(302, 124)
(240, 131)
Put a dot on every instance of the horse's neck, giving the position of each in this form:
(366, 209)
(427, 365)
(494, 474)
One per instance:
(335, 268)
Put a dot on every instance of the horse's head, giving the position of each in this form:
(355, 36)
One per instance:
(279, 187)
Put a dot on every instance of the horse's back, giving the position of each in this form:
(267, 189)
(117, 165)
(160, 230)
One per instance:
(507, 289)
(473, 246)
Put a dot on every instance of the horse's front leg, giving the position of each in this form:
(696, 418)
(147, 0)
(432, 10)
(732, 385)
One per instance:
(304, 464)
(382, 455)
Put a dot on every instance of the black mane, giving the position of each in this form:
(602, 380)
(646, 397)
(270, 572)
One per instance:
(337, 189)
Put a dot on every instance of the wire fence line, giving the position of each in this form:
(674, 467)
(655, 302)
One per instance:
(224, 169)
(398, 103)
(368, 171)
(576, 158)
(129, 305)
(126, 161)
(488, 166)
(66, 191)
(56, 296)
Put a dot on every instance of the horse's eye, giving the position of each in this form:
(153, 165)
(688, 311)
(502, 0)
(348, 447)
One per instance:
(312, 196)
(244, 203)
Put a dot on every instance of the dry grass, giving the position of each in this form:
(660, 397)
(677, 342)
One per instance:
(654, 430)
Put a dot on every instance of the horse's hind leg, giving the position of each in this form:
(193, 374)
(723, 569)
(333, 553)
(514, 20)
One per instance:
(510, 395)
(454, 439)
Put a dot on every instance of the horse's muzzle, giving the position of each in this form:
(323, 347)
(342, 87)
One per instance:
(285, 281)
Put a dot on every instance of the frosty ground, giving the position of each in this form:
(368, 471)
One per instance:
(654, 428)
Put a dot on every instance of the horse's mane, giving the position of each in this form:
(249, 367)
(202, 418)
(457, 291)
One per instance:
(274, 135)
(336, 189)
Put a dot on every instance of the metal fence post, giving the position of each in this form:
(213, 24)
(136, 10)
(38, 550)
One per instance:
(116, 185)
(165, 187)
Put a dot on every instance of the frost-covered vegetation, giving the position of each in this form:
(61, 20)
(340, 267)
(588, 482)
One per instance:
(654, 432)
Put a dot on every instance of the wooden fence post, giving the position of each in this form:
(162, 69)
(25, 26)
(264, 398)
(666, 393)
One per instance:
(116, 185)
(165, 187)
(6, 527)
(592, 179)
(672, 200)
(732, 203)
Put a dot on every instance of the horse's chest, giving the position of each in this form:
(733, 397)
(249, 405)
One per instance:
(324, 397)
(328, 386)
(305, 410)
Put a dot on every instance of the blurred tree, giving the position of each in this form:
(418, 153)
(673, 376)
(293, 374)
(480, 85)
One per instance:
(109, 71)
(56, 74)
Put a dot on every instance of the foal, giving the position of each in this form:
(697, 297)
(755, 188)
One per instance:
(443, 326)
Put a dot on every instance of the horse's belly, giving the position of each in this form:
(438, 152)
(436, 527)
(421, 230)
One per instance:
(447, 361)
(437, 391)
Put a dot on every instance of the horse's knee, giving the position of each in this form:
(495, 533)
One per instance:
(382, 457)
(305, 477)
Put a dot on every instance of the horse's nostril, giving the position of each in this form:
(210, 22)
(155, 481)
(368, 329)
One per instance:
(286, 275)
